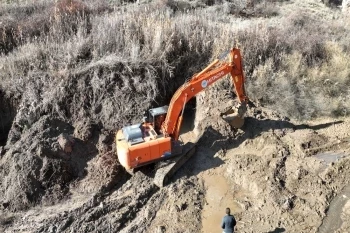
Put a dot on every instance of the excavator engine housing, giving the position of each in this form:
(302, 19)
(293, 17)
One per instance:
(141, 144)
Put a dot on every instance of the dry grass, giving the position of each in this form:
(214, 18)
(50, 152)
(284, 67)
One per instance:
(101, 171)
(110, 67)
(301, 70)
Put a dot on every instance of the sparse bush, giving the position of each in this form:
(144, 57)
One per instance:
(137, 52)
(298, 70)
(152, 47)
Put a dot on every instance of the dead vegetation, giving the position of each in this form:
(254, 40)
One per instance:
(155, 45)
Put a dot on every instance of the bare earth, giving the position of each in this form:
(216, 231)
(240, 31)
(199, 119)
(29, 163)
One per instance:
(276, 175)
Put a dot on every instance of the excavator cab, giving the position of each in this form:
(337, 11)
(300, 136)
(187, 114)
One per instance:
(156, 117)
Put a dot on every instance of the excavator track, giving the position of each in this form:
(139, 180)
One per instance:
(167, 168)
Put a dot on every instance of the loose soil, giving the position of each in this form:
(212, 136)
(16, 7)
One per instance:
(275, 174)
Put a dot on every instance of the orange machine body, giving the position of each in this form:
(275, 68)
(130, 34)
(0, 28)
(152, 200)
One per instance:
(152, 147)
(144, 143)
(157, 137)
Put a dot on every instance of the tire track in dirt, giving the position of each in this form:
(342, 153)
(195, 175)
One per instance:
(332, 221)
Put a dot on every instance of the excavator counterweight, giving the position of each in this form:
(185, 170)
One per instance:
(157, 138)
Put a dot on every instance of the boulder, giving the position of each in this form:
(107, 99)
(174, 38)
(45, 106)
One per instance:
(346, 6)
(66, 142)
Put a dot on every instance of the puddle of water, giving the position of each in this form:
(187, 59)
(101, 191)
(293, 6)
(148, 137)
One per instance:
(218, 197)
(336, 209)
(330, 156)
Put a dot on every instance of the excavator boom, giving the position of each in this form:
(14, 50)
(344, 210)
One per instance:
(215, 71)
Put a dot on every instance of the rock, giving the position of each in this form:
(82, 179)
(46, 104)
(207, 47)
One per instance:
(161, 229)
(104, 141)
(2, 150)
(346, 6)
(177, 208)
(66, 142)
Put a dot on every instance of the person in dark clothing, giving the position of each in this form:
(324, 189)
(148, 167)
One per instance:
(228, 222)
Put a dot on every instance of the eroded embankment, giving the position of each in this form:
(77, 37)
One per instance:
(333, 220)
(7, 114)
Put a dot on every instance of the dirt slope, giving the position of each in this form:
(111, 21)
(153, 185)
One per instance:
(273, 173)
(281, 174)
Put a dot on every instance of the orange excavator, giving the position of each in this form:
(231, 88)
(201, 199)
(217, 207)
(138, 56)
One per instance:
(157, 138)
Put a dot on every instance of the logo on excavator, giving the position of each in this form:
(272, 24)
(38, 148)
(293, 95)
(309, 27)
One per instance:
(212, 79)
(216, 77)
(204, 83)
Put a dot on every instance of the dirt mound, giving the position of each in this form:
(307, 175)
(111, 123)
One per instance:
(35, 169)
(136, 206)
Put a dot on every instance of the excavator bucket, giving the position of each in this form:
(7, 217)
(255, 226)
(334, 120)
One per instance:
(234, 120)
(235, 116)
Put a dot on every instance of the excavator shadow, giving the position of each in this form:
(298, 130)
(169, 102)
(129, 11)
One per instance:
(211, 142)
(254, 127)
(278, 230)
(208, 144)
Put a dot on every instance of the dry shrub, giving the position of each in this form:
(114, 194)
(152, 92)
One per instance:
(68, 15)
(32, 21)
(20, 23)
(174, 5)
(70, 7)
(101, 172)
(307, 78)
(333, 78)
(138, 58)
(7, 37)
(251, 8)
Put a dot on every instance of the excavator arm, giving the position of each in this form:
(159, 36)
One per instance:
(213, 72)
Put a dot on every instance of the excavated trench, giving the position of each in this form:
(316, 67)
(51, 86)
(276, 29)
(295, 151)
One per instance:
(333, 221)
(7, 115)
(218, 197)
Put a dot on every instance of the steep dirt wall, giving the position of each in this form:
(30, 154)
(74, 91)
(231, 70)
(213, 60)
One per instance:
(7, 114)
